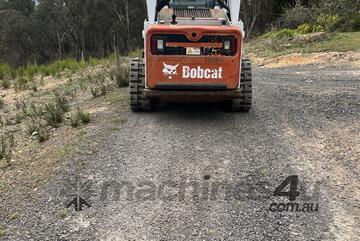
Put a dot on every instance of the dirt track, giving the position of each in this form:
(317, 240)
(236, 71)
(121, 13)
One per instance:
(305, 122)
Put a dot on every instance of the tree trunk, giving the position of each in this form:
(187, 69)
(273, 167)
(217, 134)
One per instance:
(59, 47)
(129, 49)
(116, 52)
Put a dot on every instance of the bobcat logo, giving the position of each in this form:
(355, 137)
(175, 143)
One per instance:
(170, 70)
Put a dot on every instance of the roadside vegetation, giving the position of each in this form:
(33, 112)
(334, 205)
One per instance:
(50, 114)
(311, 28)
(304, 43)
(42, 96)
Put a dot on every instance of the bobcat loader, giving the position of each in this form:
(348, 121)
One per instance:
(192, 52)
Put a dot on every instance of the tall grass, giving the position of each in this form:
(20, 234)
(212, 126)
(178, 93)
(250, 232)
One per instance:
(62, 65)
(5, 71)
(30, 71)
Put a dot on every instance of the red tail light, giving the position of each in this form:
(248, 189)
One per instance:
(233, 46)
(153, 45)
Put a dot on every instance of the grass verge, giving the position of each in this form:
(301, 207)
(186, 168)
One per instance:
(337, 42)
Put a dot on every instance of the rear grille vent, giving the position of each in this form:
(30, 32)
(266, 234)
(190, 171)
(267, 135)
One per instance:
(190, 13)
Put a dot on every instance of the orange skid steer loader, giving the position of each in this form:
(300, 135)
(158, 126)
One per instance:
(192, 52)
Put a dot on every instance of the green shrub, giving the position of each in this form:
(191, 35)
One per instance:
(54, 111)
(355, 22)
(71, 90)
(74, 120)
(122, 76)
(7, 72)
(296, 16)
(307, 28)
(33, 86)
(62, 102)
(93, 61)
(85, 117)
(44, 70)
(12, 73)
(21, 71)
(37, 128)
(80, 117)
(136, 53)
(280, 34)
(31, 71)
(53, 115)
(100, 86)
(5, 83)
(328, 22)
(7, 145)
(21, 83)
(66, 64)
(274, 44)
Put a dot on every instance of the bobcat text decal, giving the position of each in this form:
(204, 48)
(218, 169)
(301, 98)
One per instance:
(200, 73)
(192, 73)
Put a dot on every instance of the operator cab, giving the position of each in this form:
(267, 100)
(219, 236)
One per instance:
(193, 12)
(192, 3)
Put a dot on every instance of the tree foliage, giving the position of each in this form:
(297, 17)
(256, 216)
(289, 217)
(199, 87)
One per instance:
(45, 30)
(41, 31)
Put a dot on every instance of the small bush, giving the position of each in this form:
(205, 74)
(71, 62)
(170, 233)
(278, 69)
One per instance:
(122, 76)
(36, 128)
(33, 86)
(93, 61)
(100, 86)
(307, 28)
(296, 16)
(5, 83)
(21, 105)
(21, 84)
(80, 117)
(71, 90)
(136, 53)
(275, 44)
(62, 102)
(74, 120)
(21, 71)
(280, 34)
(328, 22)
(355, 22)
(44, 70)
(85, 117)
(305, 39)
(31, 71)
(66, 64)
(7, 145)
(53, 115)
(12, 73)
(5, 71)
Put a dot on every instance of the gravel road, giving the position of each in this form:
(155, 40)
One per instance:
(176, 162)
